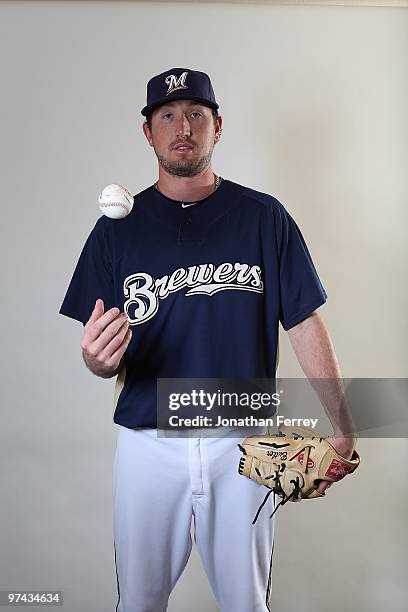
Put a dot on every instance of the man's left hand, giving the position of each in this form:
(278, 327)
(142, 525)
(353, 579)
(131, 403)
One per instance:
(345, 448)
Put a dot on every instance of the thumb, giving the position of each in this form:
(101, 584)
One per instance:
(98, 310)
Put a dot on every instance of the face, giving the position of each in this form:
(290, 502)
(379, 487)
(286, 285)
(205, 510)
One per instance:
(183, 134)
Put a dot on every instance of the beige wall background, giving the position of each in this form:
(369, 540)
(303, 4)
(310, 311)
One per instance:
(314, 102)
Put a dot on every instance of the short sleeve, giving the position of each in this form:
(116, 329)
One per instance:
(301, 291)
(92, 278)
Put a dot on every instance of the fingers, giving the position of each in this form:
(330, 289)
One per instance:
(105, 340)
(99, 320)
(118, 354)
(106, 334)
(112, 342)
(323, 485)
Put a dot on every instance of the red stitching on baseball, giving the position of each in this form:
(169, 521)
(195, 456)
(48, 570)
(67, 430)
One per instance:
(124, 189)
(116, 204)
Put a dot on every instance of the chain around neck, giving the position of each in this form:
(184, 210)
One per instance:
(217, 181)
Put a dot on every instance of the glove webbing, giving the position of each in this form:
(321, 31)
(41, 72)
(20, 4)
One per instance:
(277, 486)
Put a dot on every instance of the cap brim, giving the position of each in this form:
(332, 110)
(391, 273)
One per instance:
(149, 109)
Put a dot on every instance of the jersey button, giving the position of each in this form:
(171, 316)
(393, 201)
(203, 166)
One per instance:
(189, 221)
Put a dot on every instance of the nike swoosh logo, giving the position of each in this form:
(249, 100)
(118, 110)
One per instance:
(187, 205)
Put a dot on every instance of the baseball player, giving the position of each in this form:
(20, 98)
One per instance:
(193, 283)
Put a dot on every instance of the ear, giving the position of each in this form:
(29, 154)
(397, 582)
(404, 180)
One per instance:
(218, 129)
(147, 133)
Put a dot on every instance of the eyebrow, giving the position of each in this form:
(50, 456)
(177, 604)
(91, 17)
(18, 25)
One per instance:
(191, 103)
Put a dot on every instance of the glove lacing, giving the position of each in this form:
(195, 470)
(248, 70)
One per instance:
(277, 487)
(277, 490)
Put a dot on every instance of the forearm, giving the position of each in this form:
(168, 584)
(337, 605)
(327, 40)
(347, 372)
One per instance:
(316, 355)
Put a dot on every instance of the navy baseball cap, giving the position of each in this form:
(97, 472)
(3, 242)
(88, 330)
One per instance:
(179, 84)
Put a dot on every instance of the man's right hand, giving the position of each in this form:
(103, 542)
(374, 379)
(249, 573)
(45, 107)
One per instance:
(106, 338)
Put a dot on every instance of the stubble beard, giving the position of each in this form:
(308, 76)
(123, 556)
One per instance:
(185, 167)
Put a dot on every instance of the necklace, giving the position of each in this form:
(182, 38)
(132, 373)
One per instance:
(217, 182)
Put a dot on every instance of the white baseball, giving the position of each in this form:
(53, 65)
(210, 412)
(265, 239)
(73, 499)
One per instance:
(115, 201)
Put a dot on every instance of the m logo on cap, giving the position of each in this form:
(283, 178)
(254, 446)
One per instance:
(174, 83)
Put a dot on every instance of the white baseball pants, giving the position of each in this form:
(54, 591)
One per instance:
(159, 484)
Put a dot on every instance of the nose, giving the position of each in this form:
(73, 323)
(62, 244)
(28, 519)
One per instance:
(183, 127)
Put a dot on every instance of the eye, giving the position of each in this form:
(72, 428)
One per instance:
(166, 115)
(196, 113)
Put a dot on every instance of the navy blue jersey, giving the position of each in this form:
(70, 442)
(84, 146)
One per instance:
(204, 288)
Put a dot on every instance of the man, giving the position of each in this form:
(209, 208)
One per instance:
(193, 284)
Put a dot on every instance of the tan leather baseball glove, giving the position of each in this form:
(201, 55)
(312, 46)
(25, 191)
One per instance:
(290, 463)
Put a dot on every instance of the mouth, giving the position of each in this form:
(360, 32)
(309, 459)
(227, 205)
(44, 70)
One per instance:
(183, 147)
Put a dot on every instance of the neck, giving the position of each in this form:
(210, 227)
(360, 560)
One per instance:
(186, 188)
